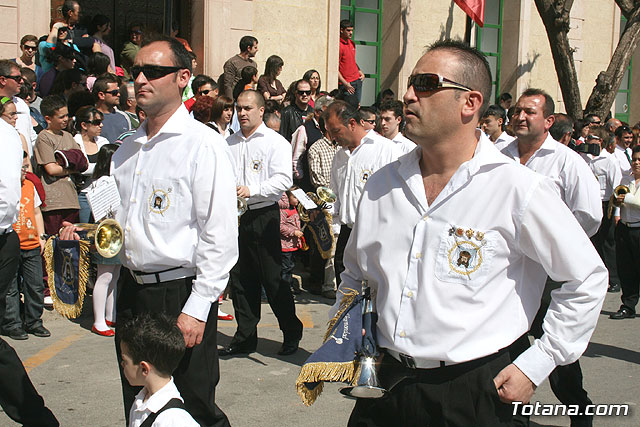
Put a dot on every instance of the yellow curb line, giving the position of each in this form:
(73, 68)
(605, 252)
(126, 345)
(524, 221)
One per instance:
(48, 352)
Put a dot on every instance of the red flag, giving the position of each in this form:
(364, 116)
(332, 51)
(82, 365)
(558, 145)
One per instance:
(473, 8)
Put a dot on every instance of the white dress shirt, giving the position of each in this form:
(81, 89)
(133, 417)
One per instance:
(607, 171)
(263, 163)
(630, 209)
(23, 124)
(174, 417)
(503, 140)
(10, 171)
(572, 177)
(179, 205)
(462, 278)
(403, 143)
(351, 170)
(623, 160)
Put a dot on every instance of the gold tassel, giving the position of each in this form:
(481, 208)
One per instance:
(348, 296)
(319, 372)
(70, 311)
(323, 253)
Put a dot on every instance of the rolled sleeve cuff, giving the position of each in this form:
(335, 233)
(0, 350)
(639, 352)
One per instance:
(197, 307)
(535, 364)
(254, 190)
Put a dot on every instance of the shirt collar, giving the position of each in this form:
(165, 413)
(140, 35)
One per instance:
(549, 145)
(260, 131)
(174, 126)
(158, 399)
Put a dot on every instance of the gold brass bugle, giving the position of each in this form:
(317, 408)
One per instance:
(322, 197)
(107, 236)
(618, 191)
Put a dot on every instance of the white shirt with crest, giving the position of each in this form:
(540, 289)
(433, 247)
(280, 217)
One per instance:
(574, 181)
(179, 205)
(351, 170)
(462, 278)
(263, 163)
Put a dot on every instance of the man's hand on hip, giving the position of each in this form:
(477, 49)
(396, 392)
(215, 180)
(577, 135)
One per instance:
(513, 385)
(192, 329)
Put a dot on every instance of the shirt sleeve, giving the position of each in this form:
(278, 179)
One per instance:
(299, 142)
(44, 150)
(313, 158)
(214, 199)
(582, 195)
(10, 163)
(228, 77)
(550, 235)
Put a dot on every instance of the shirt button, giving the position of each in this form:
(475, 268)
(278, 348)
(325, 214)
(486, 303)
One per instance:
(403, 334)
(410, 294)
(128, 228)
(133, 200)
(425, 218)
(418, 255)
(138, 172)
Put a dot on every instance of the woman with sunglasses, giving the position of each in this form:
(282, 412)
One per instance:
(88, 125)
(268, 84)
(313, 77)
(9, 114)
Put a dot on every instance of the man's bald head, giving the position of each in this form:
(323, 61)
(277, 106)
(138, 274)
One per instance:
(613, 124)
(252, 96)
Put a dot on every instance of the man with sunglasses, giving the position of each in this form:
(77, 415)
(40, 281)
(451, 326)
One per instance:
(10, 84)
(293, 115)
(202, 85)
(107, 95)
(463, 241)
(179, 217)
(29, 47)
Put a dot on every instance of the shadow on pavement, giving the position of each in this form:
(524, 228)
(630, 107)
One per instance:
(266, 348)
(598, 350)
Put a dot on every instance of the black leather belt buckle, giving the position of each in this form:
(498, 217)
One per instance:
(407, 361)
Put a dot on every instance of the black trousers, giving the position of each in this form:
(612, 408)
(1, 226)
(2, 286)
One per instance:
(18, 397)
(198, 372)
(459, 395)
(565, 381)
(260, 263)
(628, 256)
(605, 243)
(338, 262)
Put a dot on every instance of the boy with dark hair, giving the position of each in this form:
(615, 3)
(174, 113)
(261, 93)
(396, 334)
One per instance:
(152, 346)
(392, 122)
(62, 200)
(492, 124)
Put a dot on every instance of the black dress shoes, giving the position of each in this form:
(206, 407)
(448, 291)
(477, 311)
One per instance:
(39, 331)
(288, 348)
(623, 313)
(17, 334)
(613, 288)
(233, 350)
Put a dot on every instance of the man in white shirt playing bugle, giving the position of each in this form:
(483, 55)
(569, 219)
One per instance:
(179, 217)
(455, 241)
(263, 169)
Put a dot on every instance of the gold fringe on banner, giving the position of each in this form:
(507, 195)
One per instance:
(70, 311)
(319, 372)
(348, 295)
(325, 254)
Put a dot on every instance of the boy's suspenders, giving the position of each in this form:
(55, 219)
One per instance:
(173, 403)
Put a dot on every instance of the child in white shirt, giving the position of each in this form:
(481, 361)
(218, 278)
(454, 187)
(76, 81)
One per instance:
(152, 347)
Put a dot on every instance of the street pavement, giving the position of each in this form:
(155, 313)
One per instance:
(76, 372)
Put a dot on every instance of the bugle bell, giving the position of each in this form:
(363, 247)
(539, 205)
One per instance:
(242, 206)
(618, 191)
(322, 197)
(367, 385)
(107, 236)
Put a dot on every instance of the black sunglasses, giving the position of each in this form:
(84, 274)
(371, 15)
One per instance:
(205, 92)
(16, 79)
(95, 122)
(304, 92)
(370, 121)
(27, 47)
(152, 72)
(114, 92)
(428, 82)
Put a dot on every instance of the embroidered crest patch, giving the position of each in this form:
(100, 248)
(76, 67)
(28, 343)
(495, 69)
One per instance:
(160, 200)
(464, 256)
(256, 166)
(365, 174)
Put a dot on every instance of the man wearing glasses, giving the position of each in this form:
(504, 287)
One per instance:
(179, 217)
(293, 115)
(464, 239)
(107, 95)
(29, 47)
(10, 81)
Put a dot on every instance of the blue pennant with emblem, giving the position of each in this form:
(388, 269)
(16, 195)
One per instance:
(67, 264)
(336, 359)
(321, 229)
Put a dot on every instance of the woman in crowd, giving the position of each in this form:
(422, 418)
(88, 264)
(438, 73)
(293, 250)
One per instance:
(202, 109)
(63, 58)
(221, 115)
(104, 291)
(97, 65)
(248, 80)
(101, 27)
(268, 84)
(9, 114)
(313, 77)
(88, 125)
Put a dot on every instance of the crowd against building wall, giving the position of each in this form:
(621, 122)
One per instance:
(70, 90)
